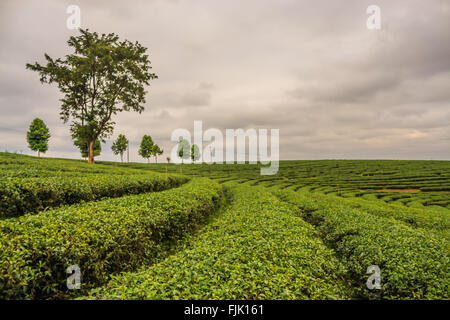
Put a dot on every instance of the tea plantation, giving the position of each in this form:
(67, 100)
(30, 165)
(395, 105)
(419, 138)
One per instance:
(199, 231)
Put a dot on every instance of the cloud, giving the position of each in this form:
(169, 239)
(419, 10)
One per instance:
(311, 69)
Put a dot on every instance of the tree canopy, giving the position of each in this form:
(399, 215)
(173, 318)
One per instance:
(195, 153)
(102, 77)
(183, 150)
(157, 151)
(146, 147)
(38, 136)
(120, 146)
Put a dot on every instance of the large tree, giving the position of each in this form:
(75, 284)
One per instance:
(103, 76)
(37, 136)
(146, 147)
(120, 146)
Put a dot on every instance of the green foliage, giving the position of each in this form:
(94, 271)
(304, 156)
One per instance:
(102, 238)
(102, 77)
(307, 243)
(120, 146)
(430, 219)
(428, 180)
(83, 146)
(156, 151)
(195, 153)
(256, 249)
(37, 136)
(183, 150)
(21, 166)
(20, 196)
(414, 263)
(146, 147)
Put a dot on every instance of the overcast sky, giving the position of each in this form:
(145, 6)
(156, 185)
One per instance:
(312, 69)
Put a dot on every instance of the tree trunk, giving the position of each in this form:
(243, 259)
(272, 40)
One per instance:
(156, 159)
(91, 151)
(121, 157)
(39, 154)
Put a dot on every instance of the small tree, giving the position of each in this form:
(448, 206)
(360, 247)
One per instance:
(120, 146)
(38, 136)
(146, 148)
(102, 77)
(195, 153)
(183, 149)
(82, 144)
(157, 151)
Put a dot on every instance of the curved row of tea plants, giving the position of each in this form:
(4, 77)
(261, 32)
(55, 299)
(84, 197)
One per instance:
(256, 249)
(410, 199)
(434, 219)
(100, 237)
(372, 178)
(414, 263)
(20, 196)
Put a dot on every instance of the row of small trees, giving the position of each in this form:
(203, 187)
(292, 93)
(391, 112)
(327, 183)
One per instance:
(38, 136)
(149, 149)
(185, 151)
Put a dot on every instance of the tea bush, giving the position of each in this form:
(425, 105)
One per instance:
(414, 263)
(100, 237)
(256, 249)
(20, 196)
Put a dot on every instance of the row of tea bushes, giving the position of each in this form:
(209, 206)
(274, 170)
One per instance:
(434, 219)
(437, 219)
(22, 166)
(102, 238)
(255, 249)
(342, 177)
(20, 196)
(414, 263)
